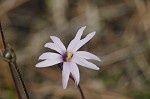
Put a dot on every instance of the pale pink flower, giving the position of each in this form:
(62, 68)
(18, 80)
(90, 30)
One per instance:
(70, 57)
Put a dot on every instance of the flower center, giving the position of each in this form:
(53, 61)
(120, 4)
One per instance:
(68, 56)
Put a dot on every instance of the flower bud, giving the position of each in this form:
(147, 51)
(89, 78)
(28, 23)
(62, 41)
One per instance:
(8, 55)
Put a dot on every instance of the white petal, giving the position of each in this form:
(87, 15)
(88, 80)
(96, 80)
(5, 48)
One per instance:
(65, 74)
(80, 32)
(86, 55)
(47, 63)
(53, 47)
(84, 63)
(76, 39)
(50, 55)
(83, 41)
(58, 42)
(75, 73)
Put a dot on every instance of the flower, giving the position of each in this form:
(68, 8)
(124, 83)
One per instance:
(70, 57)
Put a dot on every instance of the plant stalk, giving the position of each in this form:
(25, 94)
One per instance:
(79, 86)
(21, 80)
(13, 63)
(10, 67)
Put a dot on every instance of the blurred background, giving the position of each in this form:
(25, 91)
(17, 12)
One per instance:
(122, 42)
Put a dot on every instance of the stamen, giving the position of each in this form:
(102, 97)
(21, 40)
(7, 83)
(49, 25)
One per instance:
(69, 55)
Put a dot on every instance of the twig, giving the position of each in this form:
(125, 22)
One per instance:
(79, 87)
(10, 67)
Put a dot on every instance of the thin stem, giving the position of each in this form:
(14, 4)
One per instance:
(21, 80)
(81, 91)
(79, 87)
(10, 67)
(15, 82)
(3, 37)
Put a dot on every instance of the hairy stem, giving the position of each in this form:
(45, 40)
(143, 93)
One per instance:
(21, 80)
(79, 87)
(13, 63)
(15, 81)
(10, 67)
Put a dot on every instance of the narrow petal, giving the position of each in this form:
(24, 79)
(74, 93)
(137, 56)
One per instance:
(75, 72)
(58, 42)
(84, 63)
(76, 39)
(80, 32)
(53, 47)
(65, 74)
(83, 41)
(47, 63)
(50, 56)
(86, 55)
